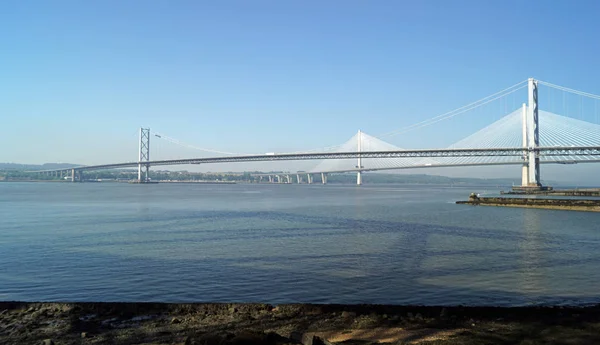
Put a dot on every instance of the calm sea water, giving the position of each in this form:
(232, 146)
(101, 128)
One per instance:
(393, 244)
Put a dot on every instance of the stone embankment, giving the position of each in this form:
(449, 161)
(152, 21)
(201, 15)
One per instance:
(552, 204)
(593, 192)
(238, 324)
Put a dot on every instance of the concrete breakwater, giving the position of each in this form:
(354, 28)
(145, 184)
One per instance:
(564, 192)
(553, 204)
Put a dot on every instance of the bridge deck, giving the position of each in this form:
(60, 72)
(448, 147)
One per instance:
(587, 151)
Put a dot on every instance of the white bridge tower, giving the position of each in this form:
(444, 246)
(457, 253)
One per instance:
(531, 139)
(359, 166)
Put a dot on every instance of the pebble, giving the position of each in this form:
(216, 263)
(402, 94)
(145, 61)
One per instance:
(348, 314)
(306, 339)
(444, 313)
(84, 335)
(319, 341)
(48, 342)
(175, 320)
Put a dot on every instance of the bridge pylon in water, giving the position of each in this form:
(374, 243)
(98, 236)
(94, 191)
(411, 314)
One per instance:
(359, 162)
(144, 155)
(530, 175)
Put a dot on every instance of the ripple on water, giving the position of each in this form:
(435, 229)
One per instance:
(293, 243)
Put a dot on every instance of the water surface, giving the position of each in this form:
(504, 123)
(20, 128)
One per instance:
(398, 244)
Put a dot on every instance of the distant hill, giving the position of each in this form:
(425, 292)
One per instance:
(45, 166)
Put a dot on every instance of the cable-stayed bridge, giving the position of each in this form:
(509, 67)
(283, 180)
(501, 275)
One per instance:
(526, 136)
(555, 132)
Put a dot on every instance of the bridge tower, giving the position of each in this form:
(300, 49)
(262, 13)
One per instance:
(359, 166)
(144, 157)
(525, 168)
(533, 139)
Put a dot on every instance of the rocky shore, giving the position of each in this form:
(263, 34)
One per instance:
(215, 324)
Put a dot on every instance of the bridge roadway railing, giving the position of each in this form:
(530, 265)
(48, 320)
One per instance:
(484, 152)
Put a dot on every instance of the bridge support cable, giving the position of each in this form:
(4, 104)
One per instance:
(570, 103)
(526, 127)
(177, 142)
(566, 89)
(186, 145)
(471, 106)
(362, 142)
(448, 115)
(375, 143)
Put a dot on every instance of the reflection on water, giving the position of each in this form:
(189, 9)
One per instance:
(292, 243)
(531, 249)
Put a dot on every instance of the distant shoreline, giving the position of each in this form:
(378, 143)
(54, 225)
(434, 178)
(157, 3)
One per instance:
(459, 184)
(112, 181)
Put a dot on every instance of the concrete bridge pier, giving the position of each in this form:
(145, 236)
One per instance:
(278, 177)
(525, 167)
(359, 161)
(299, 178)
(309, 178)
(324, 178)
(288, 179)
(270, 179)
(72, 175)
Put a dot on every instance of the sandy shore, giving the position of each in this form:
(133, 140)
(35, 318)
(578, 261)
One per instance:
(214, 324)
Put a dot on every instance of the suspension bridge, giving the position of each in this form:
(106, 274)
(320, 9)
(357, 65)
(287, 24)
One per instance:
(526, 136)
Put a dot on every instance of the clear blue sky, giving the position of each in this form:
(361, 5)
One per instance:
(78, 78)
